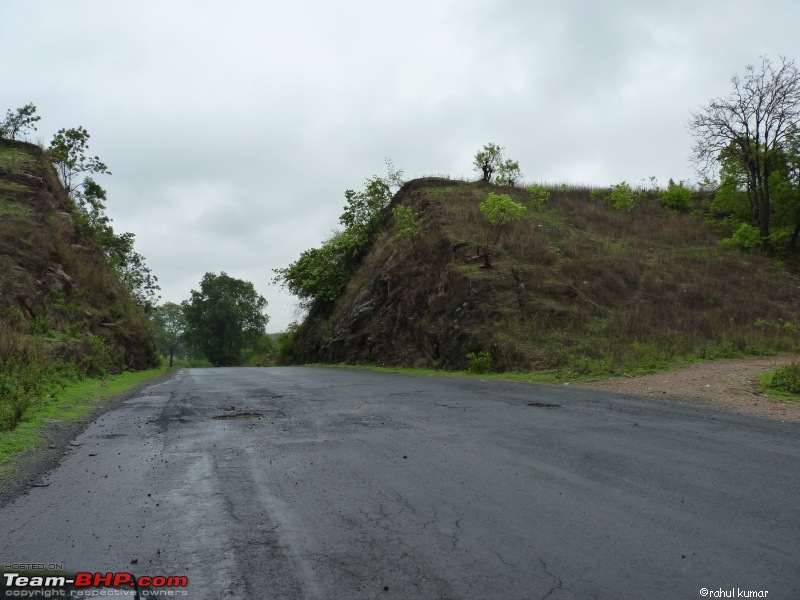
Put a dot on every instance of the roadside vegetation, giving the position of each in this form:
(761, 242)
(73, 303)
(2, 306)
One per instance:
(73, 293)
(64, 401)
(783, 382)
(318, 278)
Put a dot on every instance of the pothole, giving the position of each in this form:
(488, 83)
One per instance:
(543, 405)
(239, 415)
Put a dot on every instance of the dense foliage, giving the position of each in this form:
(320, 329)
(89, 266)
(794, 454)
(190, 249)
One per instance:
(501, 209)
(169, 326)
(224, 318)
(677, 197)
(786, 379)
(321, 274)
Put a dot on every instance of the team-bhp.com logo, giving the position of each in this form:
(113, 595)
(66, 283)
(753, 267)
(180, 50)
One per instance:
(19, 585)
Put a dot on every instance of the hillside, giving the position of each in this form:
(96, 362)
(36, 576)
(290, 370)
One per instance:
(62, 309)
(577, 286)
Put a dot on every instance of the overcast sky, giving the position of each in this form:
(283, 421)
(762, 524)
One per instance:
(233, 128)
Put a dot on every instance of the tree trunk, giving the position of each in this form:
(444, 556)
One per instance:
(793, 239)
(763, 202)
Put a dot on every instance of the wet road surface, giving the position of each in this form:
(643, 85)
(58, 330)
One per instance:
(303, 483)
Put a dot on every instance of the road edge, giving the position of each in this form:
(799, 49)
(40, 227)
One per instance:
(29, 467)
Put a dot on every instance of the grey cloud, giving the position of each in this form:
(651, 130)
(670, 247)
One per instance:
(233, 129)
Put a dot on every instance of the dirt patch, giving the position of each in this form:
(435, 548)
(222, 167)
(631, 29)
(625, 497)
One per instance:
(729, 384)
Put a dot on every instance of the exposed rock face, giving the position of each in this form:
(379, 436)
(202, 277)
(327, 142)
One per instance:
(409, 304)
(54, 283)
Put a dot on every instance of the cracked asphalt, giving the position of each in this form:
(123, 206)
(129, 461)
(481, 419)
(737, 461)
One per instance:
(304, 483)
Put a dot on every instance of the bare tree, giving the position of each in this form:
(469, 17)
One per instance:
(751, 124)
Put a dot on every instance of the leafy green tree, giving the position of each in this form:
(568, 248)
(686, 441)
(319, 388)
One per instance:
(752, 125)
(501, 209)
(264, 346)
(93, 223)
(676, 197)
(622, 196)
(785, 194)
(746, 237)
(91, 200)
(225, 318)
(169, 325)
(508, 173)
(488, 160)
(406, 223)
(539, 196)
(285, 345)
(135, 275)
(321, 274)
(19, 122)
(362, 213)
(731, 199)
(68, 153)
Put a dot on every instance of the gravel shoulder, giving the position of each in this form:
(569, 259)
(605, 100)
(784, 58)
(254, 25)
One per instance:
(730, 385)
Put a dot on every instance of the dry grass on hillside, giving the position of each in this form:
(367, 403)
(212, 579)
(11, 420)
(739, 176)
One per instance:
(577, 285)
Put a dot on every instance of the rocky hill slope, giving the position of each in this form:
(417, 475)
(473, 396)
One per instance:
(578, 285)
(60, 302)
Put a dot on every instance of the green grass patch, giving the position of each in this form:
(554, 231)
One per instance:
(549, 376)
(437, 194)
(10, 207)
(16, 161)
(783, 382)
(581, 371)
(73, 401)
(12, 186)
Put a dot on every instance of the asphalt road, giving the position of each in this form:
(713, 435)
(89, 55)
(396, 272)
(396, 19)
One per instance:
(320, 483)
